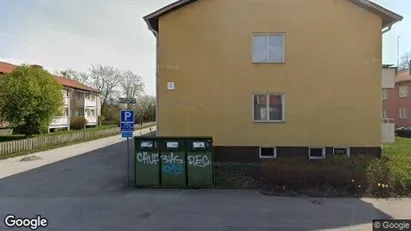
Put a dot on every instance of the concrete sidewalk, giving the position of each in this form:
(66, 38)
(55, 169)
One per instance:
(13, 165)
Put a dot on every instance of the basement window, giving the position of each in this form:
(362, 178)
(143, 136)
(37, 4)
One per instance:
(338, 151)
(316, 153)
(268, 152)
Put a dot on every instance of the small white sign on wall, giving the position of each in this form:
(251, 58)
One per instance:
(171, 86)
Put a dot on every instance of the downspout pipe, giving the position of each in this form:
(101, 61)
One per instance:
(156, 34)
(387, 29)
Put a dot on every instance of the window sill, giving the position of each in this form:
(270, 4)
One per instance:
(280, 62)
(269, 121)
(316, 157)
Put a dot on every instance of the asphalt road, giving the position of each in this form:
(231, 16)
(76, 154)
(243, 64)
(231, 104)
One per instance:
(88, 192)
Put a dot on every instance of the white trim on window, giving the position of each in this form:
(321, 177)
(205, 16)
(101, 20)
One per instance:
(282, 94)
(346, 148)
(403, 91)
(384, 113)
(316, 157)
(384, 94)
(403, 113)
(268, 157)
(268, 45)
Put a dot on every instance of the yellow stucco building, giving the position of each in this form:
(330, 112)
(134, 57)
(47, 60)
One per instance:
(272, 78)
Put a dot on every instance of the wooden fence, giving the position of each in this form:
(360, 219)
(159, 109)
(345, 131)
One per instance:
(41, 142)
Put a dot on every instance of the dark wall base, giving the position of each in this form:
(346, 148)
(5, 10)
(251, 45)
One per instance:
(252, 154)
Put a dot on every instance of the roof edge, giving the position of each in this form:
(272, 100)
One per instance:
(180, 3)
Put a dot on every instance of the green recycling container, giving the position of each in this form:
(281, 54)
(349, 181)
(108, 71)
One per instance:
(200, 171)
(173, 162)
(147, 167)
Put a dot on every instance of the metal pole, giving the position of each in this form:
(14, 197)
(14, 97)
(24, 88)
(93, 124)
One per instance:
(398, 51)
(128, 154)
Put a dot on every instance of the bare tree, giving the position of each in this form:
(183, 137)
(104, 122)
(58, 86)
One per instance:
(131, 84)
(75, 75)
(105, 79)
(145, 108)
(405, 62)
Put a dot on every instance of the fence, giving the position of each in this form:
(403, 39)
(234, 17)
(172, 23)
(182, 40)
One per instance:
(41, 142)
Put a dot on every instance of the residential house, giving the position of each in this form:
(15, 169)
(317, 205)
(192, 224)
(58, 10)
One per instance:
(272, 79)
(79, 100)
(397, 100)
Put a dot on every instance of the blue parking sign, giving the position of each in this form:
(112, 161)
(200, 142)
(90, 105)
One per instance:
(127, 116)
(127, 134)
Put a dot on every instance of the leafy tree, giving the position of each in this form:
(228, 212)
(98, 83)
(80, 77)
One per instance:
(30, 96)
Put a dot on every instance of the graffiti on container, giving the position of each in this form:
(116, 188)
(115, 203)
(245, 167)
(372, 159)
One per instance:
(198, 161)
(173, 169)
(147, 158)
(172, 164)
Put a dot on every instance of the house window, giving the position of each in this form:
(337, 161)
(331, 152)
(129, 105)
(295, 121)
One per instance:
(384, 93)
(268, 48)
(316, 153)
(341, 151)
(80, 111)
(384, 113)
(66, 111)
(92, 112)
(403, 91)
(80, 96)
(403, 113)
(268, 152)
(268, 107)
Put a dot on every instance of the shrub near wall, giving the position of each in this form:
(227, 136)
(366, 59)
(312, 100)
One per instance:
(78, 123)
(334, 176)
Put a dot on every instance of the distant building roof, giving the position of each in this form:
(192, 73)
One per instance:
(403, 76)
(8, 67)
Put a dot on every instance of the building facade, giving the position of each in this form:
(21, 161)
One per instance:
(265, 83)
(397, 101)
(79, 100)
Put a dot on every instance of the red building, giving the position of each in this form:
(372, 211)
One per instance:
(396, 102)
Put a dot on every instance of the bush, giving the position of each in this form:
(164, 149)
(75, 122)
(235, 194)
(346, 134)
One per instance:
(299, 173)
(333, 176)
(78, 123)
(100, 119)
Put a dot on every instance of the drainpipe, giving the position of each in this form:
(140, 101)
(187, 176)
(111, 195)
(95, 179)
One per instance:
(387, 29)
(156, 34)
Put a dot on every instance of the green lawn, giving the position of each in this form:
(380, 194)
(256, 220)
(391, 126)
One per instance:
(401, 147)
(6, 138)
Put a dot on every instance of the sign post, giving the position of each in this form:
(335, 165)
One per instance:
(127, 128)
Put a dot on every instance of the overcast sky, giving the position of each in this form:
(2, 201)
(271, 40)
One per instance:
(61, 34)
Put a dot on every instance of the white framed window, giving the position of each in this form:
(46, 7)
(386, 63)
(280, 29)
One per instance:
(341, 151)
(268, 48)
(384, 113)
(80, 111)
(316, 153)
(92, 112)
(66, 111)
(384, 93)
(403, 113)
(80, 96)
(268, 152)
(403, 91)
(268, 107)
